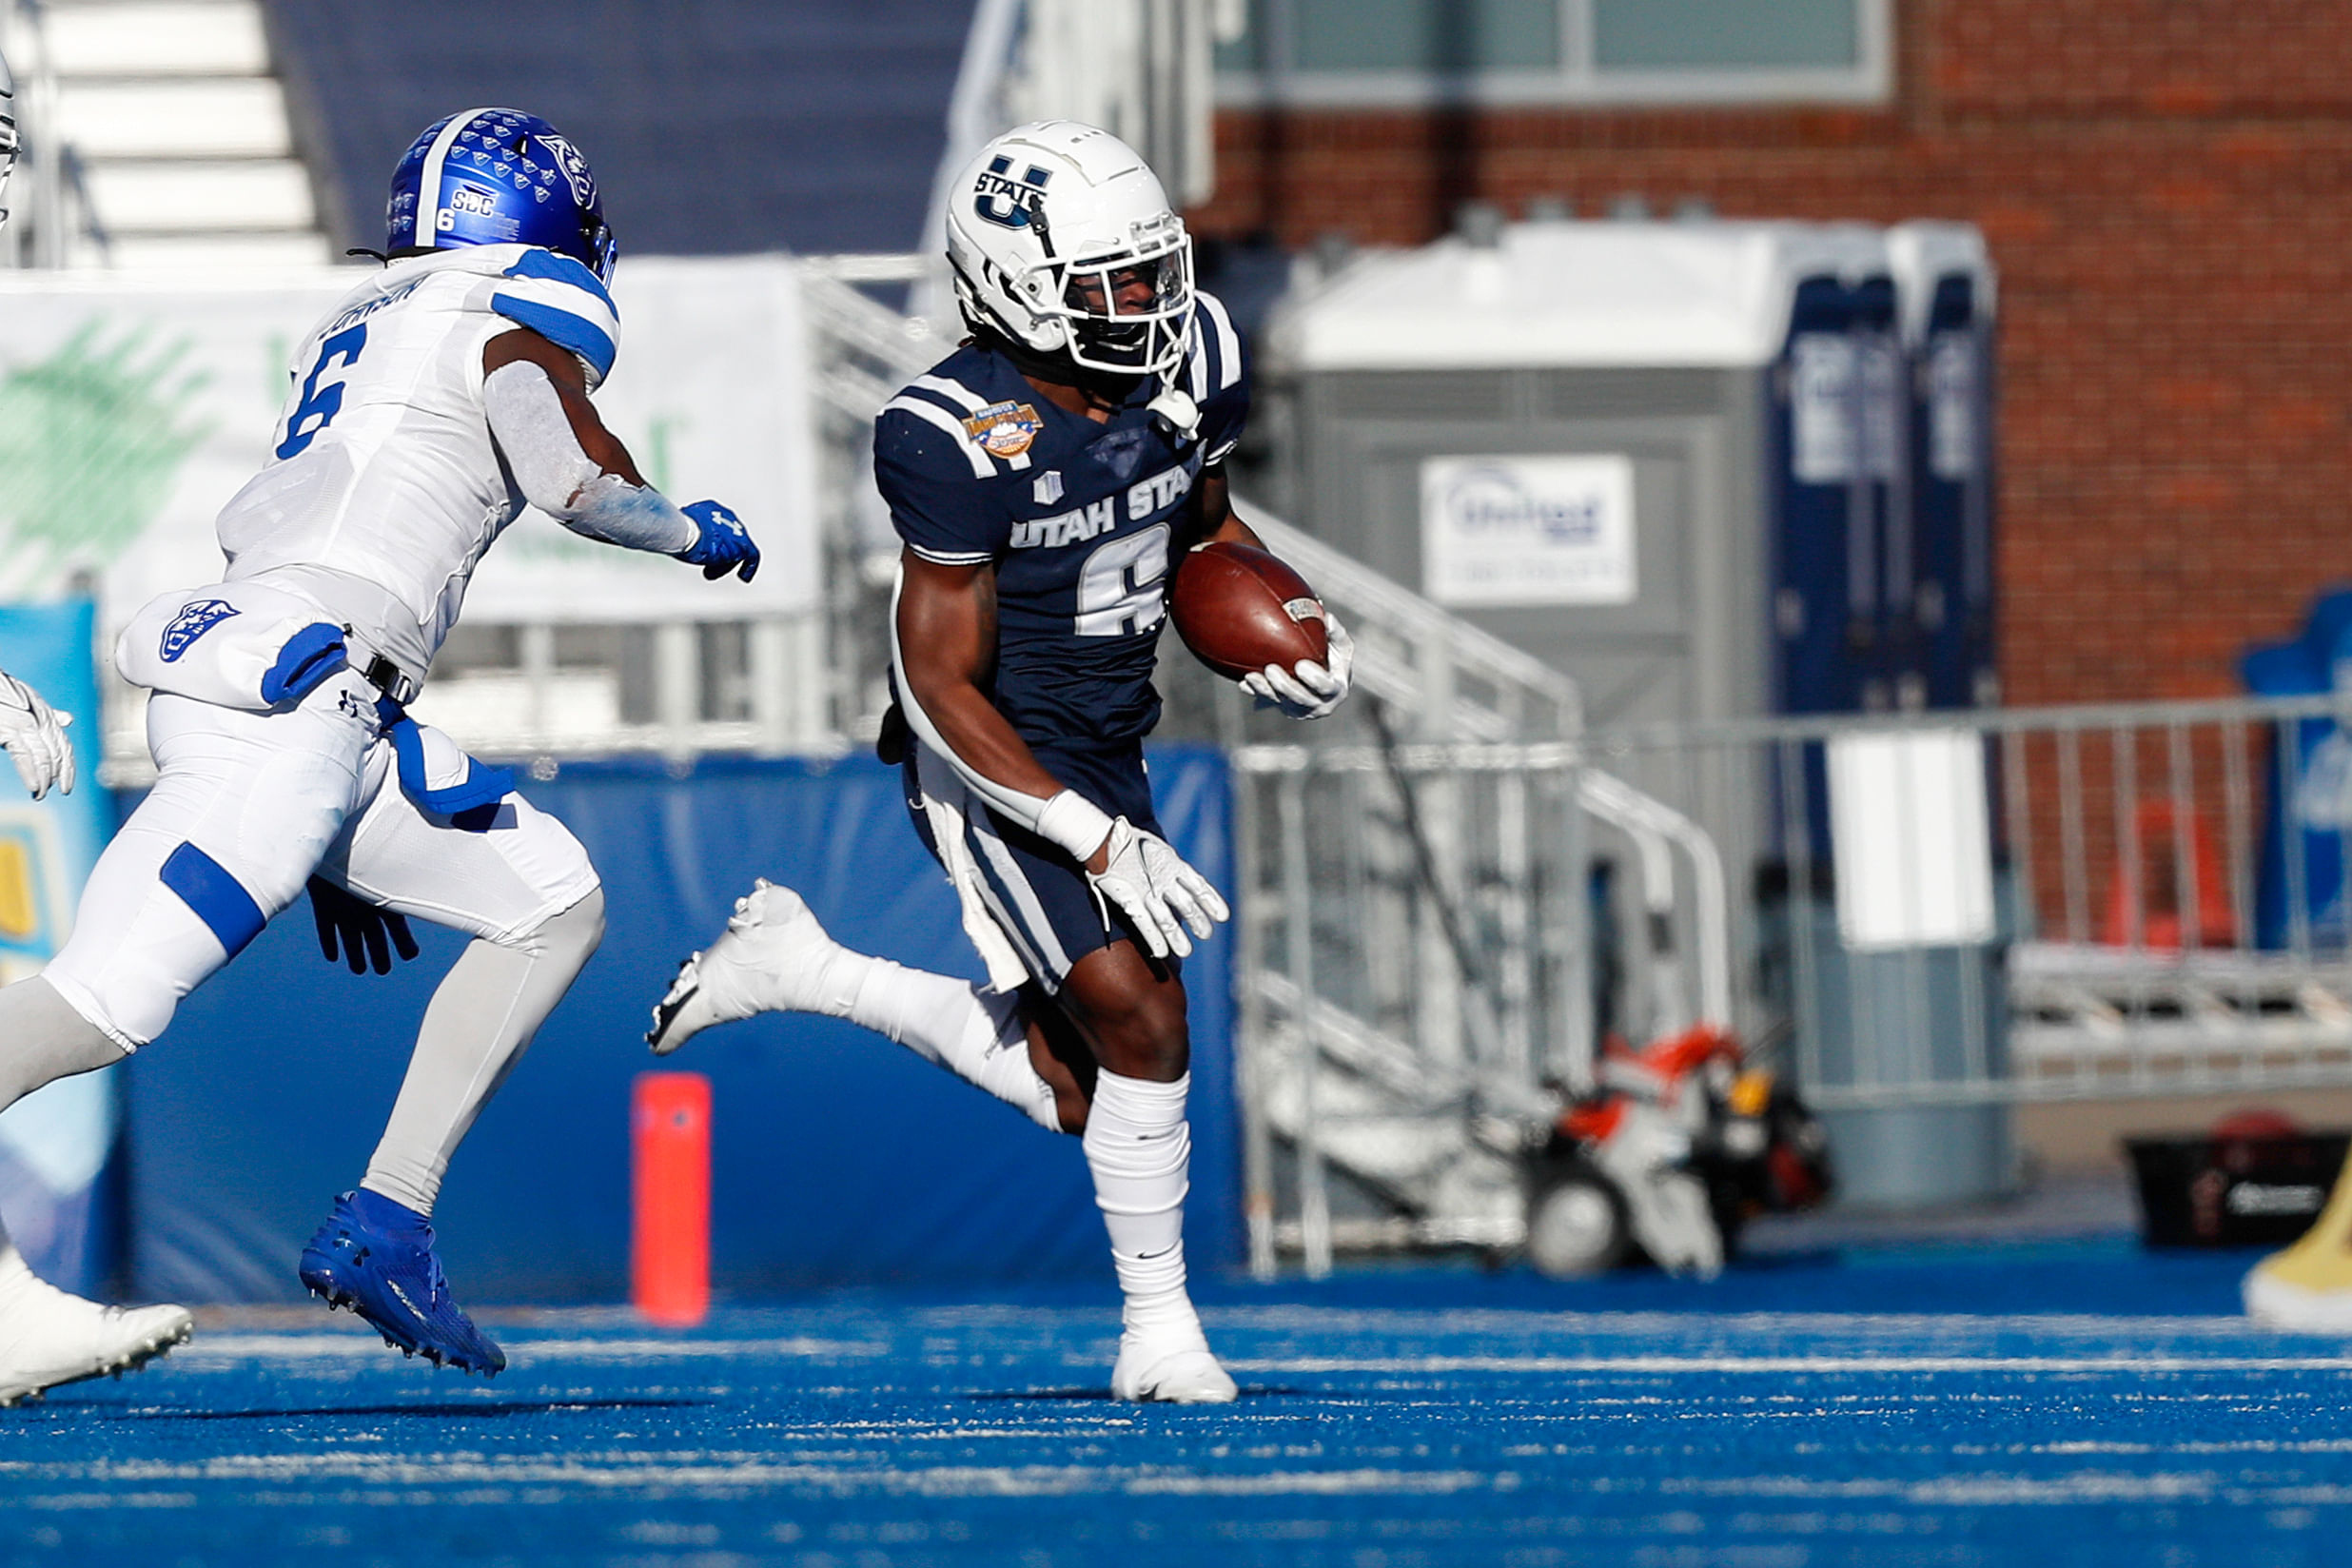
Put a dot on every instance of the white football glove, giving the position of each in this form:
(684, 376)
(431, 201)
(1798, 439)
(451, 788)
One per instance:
(1308, 689)
(1158, 892)
(34, 735)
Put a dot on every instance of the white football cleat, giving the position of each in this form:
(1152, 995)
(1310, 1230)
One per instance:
(1170, 1366)
(772, 958)
(47, 1337)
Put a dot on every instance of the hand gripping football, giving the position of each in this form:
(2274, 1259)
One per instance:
(1238, 610)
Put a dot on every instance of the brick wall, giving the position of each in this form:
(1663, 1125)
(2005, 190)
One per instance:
(2167, 185)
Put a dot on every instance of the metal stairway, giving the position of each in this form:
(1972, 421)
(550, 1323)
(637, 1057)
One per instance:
(156, 136)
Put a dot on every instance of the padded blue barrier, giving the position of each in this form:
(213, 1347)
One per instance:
(838, 1158)
(2307, 790)
(714, 127)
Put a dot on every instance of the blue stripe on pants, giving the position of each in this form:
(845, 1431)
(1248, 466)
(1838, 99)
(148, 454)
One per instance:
(218, 898)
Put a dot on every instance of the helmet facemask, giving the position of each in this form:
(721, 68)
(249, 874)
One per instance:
(8, 136)
(1127, 313)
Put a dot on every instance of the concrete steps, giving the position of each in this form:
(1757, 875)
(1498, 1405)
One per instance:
(179, 133)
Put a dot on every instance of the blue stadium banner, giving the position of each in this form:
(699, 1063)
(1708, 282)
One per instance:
(54, 1145)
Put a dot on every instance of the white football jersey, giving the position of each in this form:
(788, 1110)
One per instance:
(382, 465)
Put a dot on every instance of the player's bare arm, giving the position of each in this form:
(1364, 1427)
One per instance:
(947, 641)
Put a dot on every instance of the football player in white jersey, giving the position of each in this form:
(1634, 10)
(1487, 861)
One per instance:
(426, 409)
(31, 732)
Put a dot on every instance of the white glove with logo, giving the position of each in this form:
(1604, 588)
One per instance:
(1308, 689)
(35, 735)
(1150, 883)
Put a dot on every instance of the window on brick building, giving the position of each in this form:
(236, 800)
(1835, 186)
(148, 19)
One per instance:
(1371, 51)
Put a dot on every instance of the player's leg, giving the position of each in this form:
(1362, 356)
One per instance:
(245, 806)
(2307, 1288)
(47, 1336)
(523, 888)
(776, 957)
(1139, 1148)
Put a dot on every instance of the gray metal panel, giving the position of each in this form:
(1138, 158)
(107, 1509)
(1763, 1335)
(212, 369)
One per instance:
(1692, 645)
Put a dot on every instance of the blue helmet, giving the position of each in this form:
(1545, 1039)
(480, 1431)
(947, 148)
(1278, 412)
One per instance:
(497, 176)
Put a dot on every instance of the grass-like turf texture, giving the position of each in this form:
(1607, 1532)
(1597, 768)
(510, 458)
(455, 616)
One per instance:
(2062, 1403)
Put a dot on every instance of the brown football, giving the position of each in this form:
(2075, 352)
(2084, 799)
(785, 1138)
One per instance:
(1238, 610)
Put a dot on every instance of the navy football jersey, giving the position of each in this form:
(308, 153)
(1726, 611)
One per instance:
(1080, 518)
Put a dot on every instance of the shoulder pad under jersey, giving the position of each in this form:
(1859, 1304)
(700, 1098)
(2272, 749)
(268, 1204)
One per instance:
(562, 301)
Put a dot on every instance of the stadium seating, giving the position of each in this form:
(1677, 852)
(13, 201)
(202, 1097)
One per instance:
(714, 125)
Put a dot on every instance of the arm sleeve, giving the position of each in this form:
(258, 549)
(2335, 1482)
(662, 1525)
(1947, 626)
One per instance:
(535, 437)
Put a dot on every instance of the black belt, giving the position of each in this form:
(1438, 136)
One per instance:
(391, 680)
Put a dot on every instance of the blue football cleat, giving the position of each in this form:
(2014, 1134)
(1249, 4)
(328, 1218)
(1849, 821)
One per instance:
(375, 1256)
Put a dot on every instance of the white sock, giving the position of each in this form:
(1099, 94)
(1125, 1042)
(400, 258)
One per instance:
(480, 1023)
(1139, 1147)
(977, 1035)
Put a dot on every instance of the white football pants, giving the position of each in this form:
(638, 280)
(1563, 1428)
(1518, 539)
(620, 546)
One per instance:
(248, 808)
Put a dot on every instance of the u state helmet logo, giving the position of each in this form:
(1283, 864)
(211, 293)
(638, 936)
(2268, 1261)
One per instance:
(1007, 201)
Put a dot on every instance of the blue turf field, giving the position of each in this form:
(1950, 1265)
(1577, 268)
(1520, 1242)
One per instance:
(2062, 1402)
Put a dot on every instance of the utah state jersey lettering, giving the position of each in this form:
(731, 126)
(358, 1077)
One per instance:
(1080, 519)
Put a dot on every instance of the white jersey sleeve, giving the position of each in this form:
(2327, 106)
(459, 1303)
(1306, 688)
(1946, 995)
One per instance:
(383, 466)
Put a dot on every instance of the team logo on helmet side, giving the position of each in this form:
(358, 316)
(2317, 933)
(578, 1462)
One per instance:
(1006, 202)
(574, 168)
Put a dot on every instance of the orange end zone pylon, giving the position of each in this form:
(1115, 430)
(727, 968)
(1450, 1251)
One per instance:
(670, 1254)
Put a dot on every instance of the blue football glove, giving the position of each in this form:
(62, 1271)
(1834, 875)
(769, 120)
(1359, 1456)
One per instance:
(725, 545)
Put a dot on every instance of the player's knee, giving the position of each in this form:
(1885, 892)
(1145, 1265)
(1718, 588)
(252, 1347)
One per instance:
(1144, 1035)
(571, 935)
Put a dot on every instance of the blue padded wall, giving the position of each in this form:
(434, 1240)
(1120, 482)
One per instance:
(714, 127)
(838, 1157)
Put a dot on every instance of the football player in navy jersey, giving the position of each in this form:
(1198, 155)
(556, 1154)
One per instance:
(1043, 479)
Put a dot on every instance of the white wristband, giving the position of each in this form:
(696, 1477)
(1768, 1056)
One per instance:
(1075, 824)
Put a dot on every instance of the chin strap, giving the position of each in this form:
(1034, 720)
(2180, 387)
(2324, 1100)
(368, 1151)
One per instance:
(1175, 410)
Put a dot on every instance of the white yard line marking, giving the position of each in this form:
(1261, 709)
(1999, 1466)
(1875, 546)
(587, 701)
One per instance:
(1784, 1364)
(240, 1347)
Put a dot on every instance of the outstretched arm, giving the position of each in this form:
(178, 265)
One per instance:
(570, 466)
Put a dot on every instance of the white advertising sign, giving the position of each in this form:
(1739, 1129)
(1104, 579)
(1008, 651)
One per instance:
(1914, 839)
(133, 408)
(1528, 530)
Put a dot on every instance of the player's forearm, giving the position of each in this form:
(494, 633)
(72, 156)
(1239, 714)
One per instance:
(599, 499)
(970, 732)
(942, 636)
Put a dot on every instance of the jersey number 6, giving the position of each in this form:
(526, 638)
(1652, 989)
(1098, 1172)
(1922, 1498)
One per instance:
(320, 404)
(1122, 586)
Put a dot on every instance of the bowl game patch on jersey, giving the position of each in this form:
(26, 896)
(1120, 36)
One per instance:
(1005, 429)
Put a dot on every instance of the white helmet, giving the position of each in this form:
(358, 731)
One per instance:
(1051, 228)
(7, 135)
